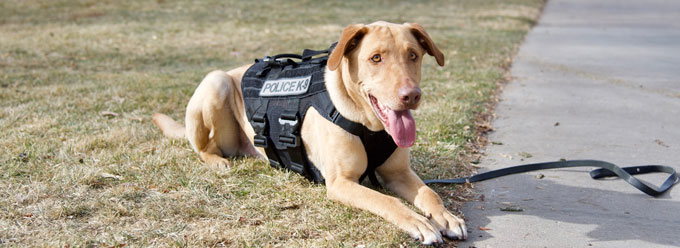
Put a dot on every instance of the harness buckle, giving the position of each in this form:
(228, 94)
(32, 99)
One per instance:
(260, 141)
(289, 122)
(259, 123)
(289, 118)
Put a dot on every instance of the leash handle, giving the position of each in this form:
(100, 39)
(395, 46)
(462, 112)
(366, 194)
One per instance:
(606, 169)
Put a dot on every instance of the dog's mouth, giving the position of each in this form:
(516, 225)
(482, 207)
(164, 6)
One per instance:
(399, 124)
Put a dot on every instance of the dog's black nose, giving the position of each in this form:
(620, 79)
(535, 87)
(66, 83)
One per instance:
(409, 96)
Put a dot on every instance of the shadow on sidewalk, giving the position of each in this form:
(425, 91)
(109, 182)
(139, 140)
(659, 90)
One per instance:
(612, 215)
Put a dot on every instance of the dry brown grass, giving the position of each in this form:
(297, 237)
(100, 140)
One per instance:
(73, 175)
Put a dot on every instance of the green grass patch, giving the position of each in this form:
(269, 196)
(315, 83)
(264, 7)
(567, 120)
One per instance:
(70, 175)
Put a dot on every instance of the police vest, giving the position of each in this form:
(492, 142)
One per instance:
(278, 91)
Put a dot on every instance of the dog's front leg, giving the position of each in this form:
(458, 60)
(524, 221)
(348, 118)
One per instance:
(398, 177)
(342, 158)
(349, 192)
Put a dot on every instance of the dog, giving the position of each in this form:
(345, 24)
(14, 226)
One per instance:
(372, 77)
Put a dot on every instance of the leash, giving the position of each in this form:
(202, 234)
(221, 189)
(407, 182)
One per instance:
(606, 169)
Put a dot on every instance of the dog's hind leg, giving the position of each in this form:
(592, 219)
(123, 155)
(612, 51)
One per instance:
(211, 126)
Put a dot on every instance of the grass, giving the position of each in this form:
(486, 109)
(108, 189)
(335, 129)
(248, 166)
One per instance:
(70, 174)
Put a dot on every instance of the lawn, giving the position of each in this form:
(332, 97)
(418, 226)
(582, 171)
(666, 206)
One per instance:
(81, 163)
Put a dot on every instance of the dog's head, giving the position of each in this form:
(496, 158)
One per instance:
(381, 61)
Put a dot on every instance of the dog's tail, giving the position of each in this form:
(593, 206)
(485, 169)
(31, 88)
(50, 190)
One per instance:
(169, 126)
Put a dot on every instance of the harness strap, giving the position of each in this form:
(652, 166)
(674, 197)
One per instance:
(349, 126)
(358, 130)
(606, 170)
(378, 154)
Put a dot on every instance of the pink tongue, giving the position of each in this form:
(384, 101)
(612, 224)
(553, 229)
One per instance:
(401, 127)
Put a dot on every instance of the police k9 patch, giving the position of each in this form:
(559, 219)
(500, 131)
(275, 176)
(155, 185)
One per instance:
(286, 86)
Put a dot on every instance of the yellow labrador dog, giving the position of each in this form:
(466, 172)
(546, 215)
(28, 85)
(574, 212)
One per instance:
(372, 78)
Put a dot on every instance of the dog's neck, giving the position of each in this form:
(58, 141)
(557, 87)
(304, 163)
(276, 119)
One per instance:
(348, 100)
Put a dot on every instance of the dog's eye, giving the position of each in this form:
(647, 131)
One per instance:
(413, 56)
(376, 58)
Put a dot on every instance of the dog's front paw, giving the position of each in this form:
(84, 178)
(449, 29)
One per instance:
(449, 225)
(422, 229)
(218, 164)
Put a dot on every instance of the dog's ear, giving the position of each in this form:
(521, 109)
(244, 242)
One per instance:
(426, 42)
(348, 40)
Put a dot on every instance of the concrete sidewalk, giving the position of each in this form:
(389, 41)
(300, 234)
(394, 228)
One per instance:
(593, 80)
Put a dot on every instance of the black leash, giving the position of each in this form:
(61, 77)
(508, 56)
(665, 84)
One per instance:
(606, 170)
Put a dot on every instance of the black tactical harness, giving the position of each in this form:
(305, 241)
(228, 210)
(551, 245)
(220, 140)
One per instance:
(278, 91)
